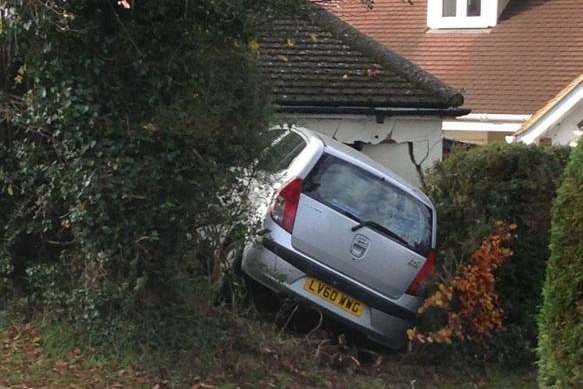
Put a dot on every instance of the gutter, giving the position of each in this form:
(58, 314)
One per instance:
(379, 113)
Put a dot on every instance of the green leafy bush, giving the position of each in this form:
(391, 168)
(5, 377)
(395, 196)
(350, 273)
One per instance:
(123, 132)
(474, 189)
(561, 318)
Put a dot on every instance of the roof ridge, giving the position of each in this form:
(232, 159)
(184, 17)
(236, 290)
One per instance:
(401, 65)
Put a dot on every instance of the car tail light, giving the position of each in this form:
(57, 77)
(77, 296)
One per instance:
(285, 204)
(423, 274)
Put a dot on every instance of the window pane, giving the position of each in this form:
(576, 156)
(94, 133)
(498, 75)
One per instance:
(474, 7)
(286, 146)
(449, 8)
(366, 197)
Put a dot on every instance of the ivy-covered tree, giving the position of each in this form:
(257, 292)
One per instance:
(124, 126)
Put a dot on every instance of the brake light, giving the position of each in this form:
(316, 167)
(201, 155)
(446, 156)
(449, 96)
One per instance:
(285, 204)
(423, 274)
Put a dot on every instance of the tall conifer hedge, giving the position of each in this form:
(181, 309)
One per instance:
(561, 318)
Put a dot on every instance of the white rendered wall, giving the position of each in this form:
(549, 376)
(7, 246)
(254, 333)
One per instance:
(385, 142)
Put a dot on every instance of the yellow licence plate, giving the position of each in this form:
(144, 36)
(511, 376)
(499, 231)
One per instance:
(334, 296)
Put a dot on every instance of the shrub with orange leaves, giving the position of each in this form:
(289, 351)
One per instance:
(470, 300)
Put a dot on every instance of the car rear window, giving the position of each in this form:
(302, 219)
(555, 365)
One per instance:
(365, 197)
(285, 147)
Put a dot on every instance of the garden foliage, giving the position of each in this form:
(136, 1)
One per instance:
(472, 190)
(124, 129)
(470, 300)
(561, 318)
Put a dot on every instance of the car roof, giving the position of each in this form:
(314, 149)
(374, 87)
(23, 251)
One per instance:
(362, 160)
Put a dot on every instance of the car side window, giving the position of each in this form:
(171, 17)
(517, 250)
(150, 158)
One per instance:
(284, 149)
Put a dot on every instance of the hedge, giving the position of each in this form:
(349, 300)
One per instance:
(472, 190)
(122, 132)
(561, 318)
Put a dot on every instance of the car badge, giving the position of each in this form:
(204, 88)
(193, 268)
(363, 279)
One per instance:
(359, 247)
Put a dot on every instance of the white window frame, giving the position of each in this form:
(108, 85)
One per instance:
(488, 15)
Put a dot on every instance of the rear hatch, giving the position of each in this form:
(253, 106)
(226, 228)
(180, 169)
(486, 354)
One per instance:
(363, 226)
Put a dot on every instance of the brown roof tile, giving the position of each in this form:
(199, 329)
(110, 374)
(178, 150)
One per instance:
(513, 68)
(319, 60)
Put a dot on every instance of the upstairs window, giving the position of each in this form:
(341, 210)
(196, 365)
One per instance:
(449, 8)
(455, 8)
(474, 8)
(458, 14)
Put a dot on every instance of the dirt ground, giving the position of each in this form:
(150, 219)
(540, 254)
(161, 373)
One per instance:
(272, 359)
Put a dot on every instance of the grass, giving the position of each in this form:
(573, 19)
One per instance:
(253, 353)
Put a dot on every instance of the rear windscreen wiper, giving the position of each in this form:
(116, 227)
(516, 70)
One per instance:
(346, 213)
(383, 230)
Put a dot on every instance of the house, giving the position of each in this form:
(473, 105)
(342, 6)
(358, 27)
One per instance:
(327, 76)
(509, 57)
(559, 122)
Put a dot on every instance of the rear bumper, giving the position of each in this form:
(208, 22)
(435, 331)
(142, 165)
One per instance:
(283, 269)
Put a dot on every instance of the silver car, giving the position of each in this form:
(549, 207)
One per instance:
(344, 233)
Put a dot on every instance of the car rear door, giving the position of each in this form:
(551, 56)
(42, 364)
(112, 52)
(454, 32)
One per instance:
(362, 226)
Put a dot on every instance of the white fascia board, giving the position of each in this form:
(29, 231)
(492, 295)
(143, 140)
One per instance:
(495, 117)
(486, 122)
(481, 127)
(552, 117)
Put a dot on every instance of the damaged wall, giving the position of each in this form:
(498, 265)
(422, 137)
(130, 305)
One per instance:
(385, 142)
